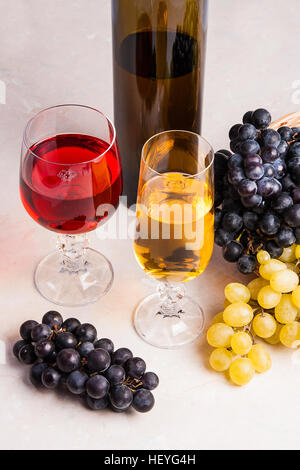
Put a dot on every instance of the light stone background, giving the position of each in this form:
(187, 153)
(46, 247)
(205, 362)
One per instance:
(58, 52)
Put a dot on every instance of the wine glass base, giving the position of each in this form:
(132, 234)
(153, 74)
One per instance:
(168, 332)
(73, 289)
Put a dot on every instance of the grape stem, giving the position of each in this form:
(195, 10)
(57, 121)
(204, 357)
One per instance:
(133, 384)
(249, 330)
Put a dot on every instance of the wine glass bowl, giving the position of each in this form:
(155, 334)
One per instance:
(70, 183)
(175, 233)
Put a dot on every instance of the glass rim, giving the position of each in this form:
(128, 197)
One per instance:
(199, 137)
(112, 143)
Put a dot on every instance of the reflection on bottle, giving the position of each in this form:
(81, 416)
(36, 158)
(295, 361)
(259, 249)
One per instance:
(191, 18)
(183, 101)
(145, 67)
(161, 41)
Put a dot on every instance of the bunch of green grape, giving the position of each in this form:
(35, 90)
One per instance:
(267, 308)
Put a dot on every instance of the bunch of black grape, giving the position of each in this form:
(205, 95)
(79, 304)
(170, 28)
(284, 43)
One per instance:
(67, 353)
(257, 190)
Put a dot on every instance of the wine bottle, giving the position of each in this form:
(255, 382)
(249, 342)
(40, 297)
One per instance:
(159, 58)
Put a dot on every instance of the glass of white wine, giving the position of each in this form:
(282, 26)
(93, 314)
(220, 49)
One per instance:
(174, 233)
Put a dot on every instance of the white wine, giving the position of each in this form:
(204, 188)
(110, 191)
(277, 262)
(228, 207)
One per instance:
(175, 227)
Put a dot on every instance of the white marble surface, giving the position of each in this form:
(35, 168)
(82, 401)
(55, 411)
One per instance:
(60, 51)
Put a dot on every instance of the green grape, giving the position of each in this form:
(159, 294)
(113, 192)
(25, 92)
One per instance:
(285, 311)
(260, 358)
(238, 314)
(220, 359)
(288, 255)
(292, 267)
(219, 335)
(273, 266)
(296, 296)
(218, 318)
(264, 325)
(236, 292)
(241, 371)
(241, 343)
(275, 339)
(284, 281)
(263, 257)
(297, 251)
(290, 335)
(268, 298)
(255, 285)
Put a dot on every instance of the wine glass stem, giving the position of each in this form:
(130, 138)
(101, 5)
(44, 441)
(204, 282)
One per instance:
(73, 252)
(171, 299)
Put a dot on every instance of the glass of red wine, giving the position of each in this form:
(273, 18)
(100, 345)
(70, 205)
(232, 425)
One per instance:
(70, 183)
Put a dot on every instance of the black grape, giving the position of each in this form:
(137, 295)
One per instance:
(53, 319)
(76, 382)
(39, 332)
(222, 237)
(85, 348)
(44, 348)
(247, 118)
(115, 374)
(17, 347)
(143, 401)
(27, 355)
(261, 118)
(270, 137)
(135, 367)
(269, 224)
(250, 220)
(232, 251)
(120, 356)
(105, 343)
(246, 264)
(26, 328)
(65, 340)
(274, 250)
(36, 373)
(97, 405)
(247, 131)
(71, 325)
(68, 360)
(292, 216)
(247, 188)
(150, 380)
(97, 387)
(232, 222)
(121, 397)
(249, 146)
(86, 332)
(50, 378)
(285, 237)
(234, 131)
(286, 133)
(98, 360)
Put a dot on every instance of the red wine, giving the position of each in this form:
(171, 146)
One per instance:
(158, 78)
(63, 185)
